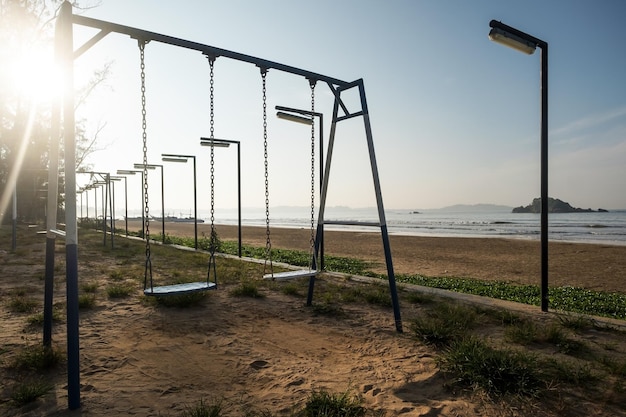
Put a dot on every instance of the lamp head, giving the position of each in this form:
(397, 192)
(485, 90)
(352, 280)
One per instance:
(126, 172)
(147, 166)
(294, 118)
(173, 159)
(216, 143)
(512, 41)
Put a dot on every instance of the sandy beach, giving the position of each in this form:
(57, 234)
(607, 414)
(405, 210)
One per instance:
(270, 353)
(592, 266)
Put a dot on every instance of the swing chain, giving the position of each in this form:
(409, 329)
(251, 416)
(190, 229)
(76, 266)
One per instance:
(144, 129)
(312, 241)
(213, 238)
(268, 243)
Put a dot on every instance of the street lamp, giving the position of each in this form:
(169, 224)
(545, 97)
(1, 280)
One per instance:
(225, 143)
(295, 115)
(118, 178)
(184, 158)
(523, 42)
(155, 166)
(143, 218)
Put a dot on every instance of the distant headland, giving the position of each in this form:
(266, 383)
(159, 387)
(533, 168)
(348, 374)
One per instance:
(554, 206)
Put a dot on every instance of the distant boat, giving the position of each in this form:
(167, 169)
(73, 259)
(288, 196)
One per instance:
(183, 219)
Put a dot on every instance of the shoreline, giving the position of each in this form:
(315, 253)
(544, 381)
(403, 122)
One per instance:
(600, 267)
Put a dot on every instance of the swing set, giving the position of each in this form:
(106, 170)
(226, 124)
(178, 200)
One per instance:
(65, 54)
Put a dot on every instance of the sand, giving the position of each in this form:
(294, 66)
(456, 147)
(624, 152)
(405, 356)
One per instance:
(271, 353)
(593, 266)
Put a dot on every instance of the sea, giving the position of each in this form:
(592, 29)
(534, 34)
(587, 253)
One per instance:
(458, 221)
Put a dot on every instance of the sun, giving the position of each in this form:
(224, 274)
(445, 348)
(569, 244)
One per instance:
(34, 76)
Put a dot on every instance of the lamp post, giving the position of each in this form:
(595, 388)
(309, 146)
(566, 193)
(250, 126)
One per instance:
(523, 42)
(155, 166)
(225, 143)
(184, 158)
(119, 178)
(143, 218)
(295, 115)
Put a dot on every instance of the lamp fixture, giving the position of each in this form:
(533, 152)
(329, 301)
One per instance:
(216, 143)
(294, 118)
(512, 41)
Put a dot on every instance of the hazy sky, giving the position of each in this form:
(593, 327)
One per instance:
(455, 117)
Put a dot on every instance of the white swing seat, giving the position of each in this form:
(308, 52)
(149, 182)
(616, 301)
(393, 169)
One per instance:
(179, 289)
(291, 274)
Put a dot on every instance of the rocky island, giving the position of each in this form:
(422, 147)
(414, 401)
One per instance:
(554, 206)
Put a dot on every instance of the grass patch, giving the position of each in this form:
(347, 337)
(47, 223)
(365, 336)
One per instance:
(37, 357)
(90, 287)
(26, 392)
(37, 319)
(474, 364)
(323, 403)
(327, 308)
(572, 299)
(445, 324)
(202, 409)
(527, 332)
(246, 289)
(23, 304)
(86, 301)
(119, 290)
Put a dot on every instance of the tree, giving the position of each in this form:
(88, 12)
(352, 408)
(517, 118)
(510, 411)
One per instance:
(26, 92)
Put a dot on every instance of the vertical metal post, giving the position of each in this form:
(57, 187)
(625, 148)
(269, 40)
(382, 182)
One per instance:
(195, 205)
(14, 217)
(321, 234)
(162, 204)
(381, 210)
(324, 192)
(95, 205)
(126, 203)
(544, 177)
(53, 192)
(66, 42)
(239, 196)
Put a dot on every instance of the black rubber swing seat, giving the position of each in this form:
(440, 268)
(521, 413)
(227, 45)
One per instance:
(179, 289)
(291, 274)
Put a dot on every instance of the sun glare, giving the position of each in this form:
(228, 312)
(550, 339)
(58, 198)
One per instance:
(34, 76)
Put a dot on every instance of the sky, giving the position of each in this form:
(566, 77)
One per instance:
(455, 117)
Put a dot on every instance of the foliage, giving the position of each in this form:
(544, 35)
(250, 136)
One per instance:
(26, 46)
(37, 357)
(497, 371)
(572, 299)
(326, 404)
(246, 289)
(28, 391)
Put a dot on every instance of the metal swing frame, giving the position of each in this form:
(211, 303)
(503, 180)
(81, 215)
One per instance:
(65, 55)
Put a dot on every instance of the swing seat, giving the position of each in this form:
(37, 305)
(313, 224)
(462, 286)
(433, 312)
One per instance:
(291, 274)
(179, 289)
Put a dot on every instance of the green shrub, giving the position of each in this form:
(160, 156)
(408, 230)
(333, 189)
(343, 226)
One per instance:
(119, 290)
(23, 304)
(472, 363)
(37, 357)
(246, 289)
(26, 392)
(325, 404)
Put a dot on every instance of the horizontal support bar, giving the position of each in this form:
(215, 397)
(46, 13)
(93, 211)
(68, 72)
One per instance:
(207, 50)
(349, 116)
(352, 223)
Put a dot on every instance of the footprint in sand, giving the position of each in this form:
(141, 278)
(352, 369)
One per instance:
(259, 364)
